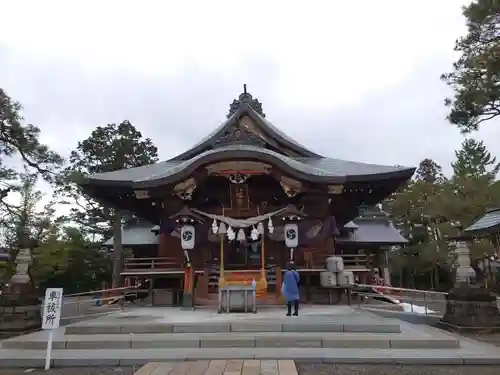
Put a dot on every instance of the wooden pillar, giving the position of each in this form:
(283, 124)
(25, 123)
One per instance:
(263, 260)
(162, 246)
(308, 287)
(201, 289)
(279, 281)
(188, 298)
(222, 280)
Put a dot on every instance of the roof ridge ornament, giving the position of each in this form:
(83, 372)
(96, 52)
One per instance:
(245, 98)
(239, 135)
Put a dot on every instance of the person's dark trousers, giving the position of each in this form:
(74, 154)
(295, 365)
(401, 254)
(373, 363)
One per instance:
(295, 307)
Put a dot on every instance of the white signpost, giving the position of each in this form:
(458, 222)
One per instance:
(52, 305)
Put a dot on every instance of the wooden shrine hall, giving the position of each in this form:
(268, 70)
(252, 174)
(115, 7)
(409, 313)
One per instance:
(242, 204)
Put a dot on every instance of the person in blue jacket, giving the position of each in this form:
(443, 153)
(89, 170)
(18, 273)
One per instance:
(290, 289)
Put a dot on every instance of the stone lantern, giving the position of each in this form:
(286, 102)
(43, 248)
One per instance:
(468, 305)
(19, 304)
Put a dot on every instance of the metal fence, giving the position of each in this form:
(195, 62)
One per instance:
(422, 302)
(81, 306)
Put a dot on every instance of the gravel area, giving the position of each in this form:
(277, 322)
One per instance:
(327, 369)
(72, 371)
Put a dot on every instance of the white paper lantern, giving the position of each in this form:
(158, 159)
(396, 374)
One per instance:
(291, 235)
(187, 237)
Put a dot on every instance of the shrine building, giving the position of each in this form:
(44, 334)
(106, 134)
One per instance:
(242, 204)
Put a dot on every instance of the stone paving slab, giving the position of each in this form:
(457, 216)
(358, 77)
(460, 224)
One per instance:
(172, 320)
(172, 315)
(38, 340)
(130, 357)
(470, 351)
(304, 326)
(220, 367)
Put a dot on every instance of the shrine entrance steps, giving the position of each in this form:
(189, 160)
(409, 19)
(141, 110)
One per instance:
(337, 334)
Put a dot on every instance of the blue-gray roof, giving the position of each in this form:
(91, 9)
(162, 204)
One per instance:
(351, 225)
(292, 157)
(373, 227)
(136, 235)
(489, 222)
(330, 170)
(375, 233)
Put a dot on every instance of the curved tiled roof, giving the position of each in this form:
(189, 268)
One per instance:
(375, 232)
(373, 227)
(276, 149)
(320, 170)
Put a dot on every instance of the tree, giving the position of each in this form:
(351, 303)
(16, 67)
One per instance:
(108, 148)
(18, 139)
(429, 171)
(82, 264)
(25, 216)
(416, 212)
(475, 78)
(474, 161)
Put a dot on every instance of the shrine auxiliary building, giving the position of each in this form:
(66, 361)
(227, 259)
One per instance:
(220, 210)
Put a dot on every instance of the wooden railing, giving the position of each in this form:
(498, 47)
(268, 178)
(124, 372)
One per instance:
(313, 259)
(304, 259)
(149, 263)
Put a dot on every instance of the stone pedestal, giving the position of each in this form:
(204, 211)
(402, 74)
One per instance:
(19, 314)
(20, 308)
(188, 301)
(469, 306)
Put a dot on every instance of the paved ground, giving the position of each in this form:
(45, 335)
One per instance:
(73, 371)
(490, 338)
(304, 369)
(471, 351)
(324, 369)
(83, 306)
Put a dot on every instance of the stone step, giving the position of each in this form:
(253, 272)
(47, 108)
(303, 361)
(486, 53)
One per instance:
(251, 326)
(232, 340)
(135, 357)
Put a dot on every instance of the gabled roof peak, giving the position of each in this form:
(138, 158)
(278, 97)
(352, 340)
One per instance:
(230, 132)
(245, 98)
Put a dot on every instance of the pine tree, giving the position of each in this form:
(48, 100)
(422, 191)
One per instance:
(429, 171)
(475, 79)
(108, 148)
(473, 160)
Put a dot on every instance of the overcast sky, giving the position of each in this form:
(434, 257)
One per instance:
(355, 80)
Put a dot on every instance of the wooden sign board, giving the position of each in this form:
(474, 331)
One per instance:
(239, 197)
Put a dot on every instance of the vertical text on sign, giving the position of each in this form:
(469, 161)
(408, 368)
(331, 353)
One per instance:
(52, 308)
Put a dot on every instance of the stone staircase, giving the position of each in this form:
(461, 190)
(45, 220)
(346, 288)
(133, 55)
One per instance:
(337, 334)
(296, 334)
